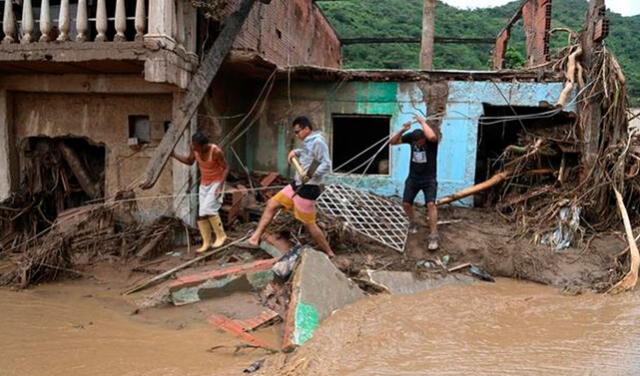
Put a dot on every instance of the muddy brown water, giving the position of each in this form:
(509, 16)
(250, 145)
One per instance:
(508, 328)
(75, 329)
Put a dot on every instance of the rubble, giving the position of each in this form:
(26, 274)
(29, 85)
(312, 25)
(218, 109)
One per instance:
(192, 288)
(310, 305)
(403, 283)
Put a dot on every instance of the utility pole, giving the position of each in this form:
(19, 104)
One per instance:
(428, 34)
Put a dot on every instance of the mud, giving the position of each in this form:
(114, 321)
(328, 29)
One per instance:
(80, 327)
(506, 328)
(485, 239)
(88, 328)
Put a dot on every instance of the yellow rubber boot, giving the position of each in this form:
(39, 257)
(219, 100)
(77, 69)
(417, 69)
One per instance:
(216, 224)
(205, 231)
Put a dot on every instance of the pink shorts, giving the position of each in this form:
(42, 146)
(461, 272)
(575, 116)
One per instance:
(303, 209)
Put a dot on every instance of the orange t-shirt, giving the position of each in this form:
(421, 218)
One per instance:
(211, 165)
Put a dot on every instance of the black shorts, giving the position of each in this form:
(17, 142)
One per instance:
(308, 191)
(412, 187)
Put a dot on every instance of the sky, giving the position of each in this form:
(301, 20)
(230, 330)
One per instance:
(624, 7)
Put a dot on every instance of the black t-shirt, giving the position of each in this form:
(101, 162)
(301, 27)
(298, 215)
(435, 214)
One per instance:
(423, 158)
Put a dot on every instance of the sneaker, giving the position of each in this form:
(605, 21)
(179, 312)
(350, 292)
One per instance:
(432, 242)
(413, 228)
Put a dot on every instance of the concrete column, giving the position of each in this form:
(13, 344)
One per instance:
(183, 176)
(428, 34)
(191, 23)
(8, 166)
(161, 18)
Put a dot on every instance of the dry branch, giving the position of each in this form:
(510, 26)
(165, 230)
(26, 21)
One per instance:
(631, 278)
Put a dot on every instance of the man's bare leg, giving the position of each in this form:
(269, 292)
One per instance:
(318, 236)
(408, 210)
(432, 211)
(265, 219)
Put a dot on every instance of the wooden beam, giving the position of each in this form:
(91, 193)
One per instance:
(196, 90)
(440, 40)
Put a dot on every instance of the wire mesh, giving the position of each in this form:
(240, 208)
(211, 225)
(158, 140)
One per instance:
(375, 217)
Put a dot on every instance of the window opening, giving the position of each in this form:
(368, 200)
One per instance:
(354, 133)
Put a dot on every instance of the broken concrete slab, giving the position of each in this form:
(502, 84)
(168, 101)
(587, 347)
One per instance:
(192, 288)
(318, 288)
(405, 283)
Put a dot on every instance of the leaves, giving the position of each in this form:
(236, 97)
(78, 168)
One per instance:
(403, 18)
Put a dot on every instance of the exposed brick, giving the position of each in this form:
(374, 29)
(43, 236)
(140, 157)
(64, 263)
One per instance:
(501, 48)
(536, 15)
(290, 33)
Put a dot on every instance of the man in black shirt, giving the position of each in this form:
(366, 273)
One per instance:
(422, 174)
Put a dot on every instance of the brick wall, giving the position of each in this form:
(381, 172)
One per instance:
(290, 32)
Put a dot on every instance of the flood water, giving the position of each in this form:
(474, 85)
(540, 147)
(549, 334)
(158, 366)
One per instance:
(507, 328)
(74, 329)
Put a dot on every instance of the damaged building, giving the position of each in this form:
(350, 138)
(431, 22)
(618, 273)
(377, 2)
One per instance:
(104, 81)
(89, 88)
(95, 95)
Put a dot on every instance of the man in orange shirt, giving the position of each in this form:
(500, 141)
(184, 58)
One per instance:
(213, 172)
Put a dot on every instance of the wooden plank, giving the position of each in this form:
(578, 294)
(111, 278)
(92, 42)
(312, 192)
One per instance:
(196, 91)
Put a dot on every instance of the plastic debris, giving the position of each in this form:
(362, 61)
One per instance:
(254, 366)
(287, 263)
(481, 274)
(568, 228)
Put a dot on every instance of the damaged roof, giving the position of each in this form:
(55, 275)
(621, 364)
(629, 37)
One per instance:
(255, 66)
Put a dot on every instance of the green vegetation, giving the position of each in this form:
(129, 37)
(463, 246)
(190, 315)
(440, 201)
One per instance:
(402, 18)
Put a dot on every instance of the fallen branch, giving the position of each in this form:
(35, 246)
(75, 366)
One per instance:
(631, 278)
(493, 181)
(458, 267)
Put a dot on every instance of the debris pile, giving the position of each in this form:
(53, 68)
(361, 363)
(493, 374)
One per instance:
(82, 236)
(574, 164)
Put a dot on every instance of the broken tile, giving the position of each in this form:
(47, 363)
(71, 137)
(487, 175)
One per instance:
(192, 288)
(224, 323)
(265, 317)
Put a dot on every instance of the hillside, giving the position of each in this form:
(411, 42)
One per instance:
(389, 18)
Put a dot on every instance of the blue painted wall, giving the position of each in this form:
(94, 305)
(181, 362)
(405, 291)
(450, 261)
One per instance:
(457, 150)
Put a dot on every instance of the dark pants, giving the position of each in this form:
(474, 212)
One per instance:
(413, 186)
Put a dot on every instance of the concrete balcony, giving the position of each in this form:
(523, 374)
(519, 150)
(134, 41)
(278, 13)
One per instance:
(156, 37)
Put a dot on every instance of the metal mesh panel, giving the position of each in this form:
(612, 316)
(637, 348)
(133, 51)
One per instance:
(370, 215)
